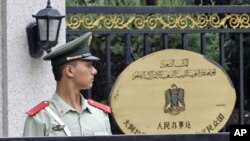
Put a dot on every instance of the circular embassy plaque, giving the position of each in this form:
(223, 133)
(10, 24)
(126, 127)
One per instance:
(172, 91)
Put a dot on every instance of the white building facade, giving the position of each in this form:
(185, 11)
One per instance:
(25, 81)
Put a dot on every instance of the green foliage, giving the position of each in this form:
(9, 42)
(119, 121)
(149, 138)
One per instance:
(122, 2)
(76, 3)
(118, 44)
(102, 2)
(212, 49)
(171, 2)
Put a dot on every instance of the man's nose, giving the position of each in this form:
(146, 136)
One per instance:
(94, 71)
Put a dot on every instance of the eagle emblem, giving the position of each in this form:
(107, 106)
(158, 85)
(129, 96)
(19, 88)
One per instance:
(174, 100)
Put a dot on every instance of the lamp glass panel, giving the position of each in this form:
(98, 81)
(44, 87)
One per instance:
(53, 27)
(42, 25)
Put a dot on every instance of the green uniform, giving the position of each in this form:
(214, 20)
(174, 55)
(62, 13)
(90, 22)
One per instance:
(90, 121)
(60, 119)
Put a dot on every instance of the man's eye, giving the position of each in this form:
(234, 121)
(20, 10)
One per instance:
(89, 65)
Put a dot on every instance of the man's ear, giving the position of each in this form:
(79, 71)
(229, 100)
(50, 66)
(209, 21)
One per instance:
(69, 70)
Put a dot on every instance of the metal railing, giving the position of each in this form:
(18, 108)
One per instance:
(164, 22)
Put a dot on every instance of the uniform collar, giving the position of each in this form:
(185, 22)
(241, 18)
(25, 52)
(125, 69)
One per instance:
(62, 107)
(86, 105)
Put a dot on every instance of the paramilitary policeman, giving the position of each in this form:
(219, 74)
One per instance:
(68, 113)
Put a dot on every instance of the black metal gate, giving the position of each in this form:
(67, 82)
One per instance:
(153, 28)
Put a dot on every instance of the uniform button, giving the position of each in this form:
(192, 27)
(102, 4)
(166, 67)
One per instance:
(61, 112)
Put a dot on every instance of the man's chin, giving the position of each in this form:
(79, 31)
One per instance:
(89, 87)
(86, 86)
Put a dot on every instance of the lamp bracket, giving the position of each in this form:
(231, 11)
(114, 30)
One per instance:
(34, 48)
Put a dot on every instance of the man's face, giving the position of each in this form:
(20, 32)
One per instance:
(84, 73)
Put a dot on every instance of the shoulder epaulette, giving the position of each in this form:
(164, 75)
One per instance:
(37, 108)
(99, 105)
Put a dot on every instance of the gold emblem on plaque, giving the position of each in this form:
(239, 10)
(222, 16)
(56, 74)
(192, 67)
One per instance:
(174, 98)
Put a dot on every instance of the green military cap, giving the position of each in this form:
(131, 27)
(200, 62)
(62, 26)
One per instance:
(78, 48)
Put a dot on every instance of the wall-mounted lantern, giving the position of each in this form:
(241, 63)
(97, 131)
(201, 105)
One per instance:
(43, 34)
